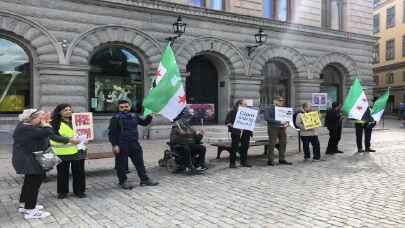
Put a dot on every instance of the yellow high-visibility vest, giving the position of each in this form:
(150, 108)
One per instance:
(360, 121)
(61, 148)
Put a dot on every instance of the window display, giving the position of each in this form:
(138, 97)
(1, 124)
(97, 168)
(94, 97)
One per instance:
(15, 77)
(116, 74)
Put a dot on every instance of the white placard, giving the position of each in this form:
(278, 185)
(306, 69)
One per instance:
(283, 114)
(245, 119)
(319, 99)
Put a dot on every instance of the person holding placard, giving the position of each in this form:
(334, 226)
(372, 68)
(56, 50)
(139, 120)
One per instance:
(238, 136)
(308, 135)
(71, 156)
(276, 130)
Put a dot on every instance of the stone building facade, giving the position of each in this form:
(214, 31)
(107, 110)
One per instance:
(75, 49)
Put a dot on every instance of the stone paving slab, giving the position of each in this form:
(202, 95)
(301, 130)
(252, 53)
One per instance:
(347, 190)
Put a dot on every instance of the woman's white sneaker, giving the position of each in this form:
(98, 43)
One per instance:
(36, 214)
(21, 208)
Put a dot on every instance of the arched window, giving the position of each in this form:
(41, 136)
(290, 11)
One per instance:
(15, 77)
(331, 80)
(276, 82)
(116, 73)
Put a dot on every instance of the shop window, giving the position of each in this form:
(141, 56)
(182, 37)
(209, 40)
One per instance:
(15, 77)
(116, 73)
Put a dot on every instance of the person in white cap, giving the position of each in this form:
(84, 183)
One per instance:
(32, 134)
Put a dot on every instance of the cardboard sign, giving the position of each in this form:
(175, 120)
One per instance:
(311, 120)
(83, 124)
(283, 114)
(245, 119)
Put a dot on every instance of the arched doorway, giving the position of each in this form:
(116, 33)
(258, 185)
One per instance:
(202, 89)
(277, 82)
(116, 72)
(331, 82)
(15, 76)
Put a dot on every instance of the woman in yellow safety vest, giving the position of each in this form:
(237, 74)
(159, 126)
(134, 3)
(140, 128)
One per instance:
(68, 153)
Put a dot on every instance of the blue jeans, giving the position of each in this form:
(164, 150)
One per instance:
(306, 140)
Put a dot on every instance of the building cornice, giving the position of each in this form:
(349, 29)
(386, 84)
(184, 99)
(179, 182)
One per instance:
(389, 67)
(392, 88)
(175, 9)
(382, 4)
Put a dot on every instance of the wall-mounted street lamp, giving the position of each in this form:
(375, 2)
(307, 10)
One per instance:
(260, 38)
(179, 27)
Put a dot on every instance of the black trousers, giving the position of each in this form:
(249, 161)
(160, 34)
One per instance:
(359, 135)
(78, 175)
(135, 153)
(30, 189)
(196, 151)
(243, 148)
(334, 138)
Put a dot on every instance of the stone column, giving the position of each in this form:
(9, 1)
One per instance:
(245, 88)
(63, 84)
(304, 89)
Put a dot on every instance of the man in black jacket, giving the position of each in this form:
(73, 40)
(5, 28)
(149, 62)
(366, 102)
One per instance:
(123, 135)
(238, 137)
(333, 121)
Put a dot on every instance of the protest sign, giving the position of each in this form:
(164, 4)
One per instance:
(245, 119)
(83, 124)
(311, 120)
(283, 114)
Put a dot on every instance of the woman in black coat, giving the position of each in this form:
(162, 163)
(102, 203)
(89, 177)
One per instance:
(238, 136)
(32, 134)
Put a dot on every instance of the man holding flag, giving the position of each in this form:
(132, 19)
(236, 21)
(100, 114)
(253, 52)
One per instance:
(356, 107)
(365, 124)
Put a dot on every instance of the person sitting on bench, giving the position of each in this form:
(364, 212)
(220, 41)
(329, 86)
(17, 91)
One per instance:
(182, 134)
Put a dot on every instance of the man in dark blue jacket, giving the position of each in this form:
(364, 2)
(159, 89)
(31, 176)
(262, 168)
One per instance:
(123, 135)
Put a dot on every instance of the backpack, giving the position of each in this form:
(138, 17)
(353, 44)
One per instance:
(295, 115)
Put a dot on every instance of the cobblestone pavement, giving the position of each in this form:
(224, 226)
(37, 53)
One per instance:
(347, 190)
